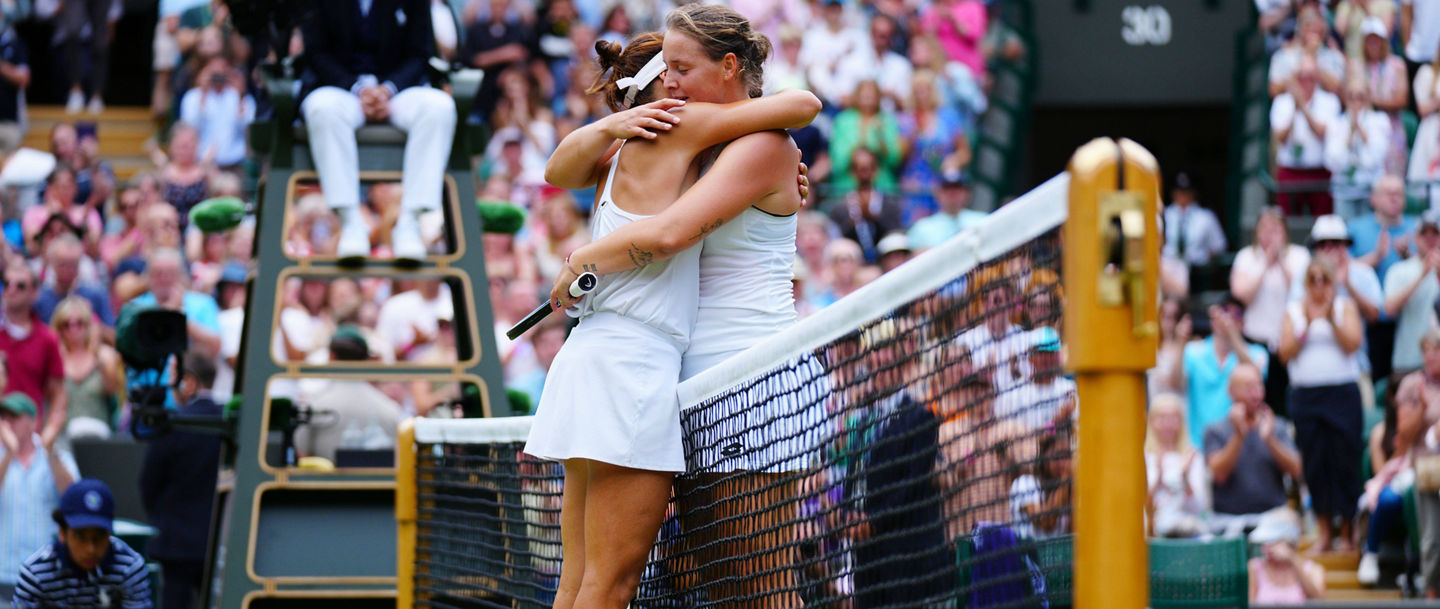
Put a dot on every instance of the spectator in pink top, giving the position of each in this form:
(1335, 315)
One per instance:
(959, 25)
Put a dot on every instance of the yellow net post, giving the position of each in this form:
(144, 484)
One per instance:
(406, 513)
(1111, 263)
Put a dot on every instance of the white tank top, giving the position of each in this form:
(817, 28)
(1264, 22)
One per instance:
(746, 269)
(1321, 361)
(663, 295)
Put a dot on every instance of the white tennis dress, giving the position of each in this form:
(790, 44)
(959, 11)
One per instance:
(610, 393)
(746, 296)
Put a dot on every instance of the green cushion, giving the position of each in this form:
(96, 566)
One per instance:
(1188, 574)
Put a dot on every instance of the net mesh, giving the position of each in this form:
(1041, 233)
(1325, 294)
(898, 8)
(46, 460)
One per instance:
(915, 456)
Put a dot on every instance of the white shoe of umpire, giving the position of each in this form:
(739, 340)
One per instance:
(354, 243)
(1369, 571)
(405, 239)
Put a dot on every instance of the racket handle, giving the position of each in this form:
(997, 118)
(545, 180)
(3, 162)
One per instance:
(581, 286)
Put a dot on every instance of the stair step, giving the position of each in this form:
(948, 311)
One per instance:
(57, 113)
(1361, 595)
(1342, 580)
(1338, 561)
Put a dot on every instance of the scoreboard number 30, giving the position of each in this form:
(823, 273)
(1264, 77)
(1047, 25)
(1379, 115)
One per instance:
(1142, 25)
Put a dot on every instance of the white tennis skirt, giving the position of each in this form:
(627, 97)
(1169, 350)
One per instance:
(610, 396)
(775, 423)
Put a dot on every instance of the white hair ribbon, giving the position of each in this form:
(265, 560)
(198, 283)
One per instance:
(641, 79)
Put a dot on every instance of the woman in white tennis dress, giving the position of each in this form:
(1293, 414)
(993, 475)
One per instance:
(743, 208)
(608, 409)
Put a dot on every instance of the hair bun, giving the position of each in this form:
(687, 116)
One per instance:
(609, 53)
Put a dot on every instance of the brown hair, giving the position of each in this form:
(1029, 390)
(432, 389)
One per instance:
(722, 31)
(617, 63)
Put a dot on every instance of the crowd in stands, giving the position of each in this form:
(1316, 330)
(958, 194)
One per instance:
(1311, 393)
(904, 85)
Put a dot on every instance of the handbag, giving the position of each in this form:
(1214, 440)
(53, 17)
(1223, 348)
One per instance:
(1427, 473)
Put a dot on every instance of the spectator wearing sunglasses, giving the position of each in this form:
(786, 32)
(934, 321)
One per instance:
(32, 351)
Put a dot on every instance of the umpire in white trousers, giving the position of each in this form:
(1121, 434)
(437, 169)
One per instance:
(365, 62)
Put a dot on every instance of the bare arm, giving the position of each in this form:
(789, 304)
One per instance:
(579, 158)
(747, 170)
(1349, 331)
(17, 75)
(1285, 457)
(1407, 17)
(1222, 463)
(1245, 285)
(1289, 341)
(1396, 301)
(1312, 578)
(57, 410)
(202, 336)
(112, 372)
(1377, 445)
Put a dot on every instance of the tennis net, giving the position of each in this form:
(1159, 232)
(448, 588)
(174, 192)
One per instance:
(908, 446)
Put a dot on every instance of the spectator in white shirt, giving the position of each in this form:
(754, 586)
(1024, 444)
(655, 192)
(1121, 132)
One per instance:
(1355, 146)
(1410, 294)
(825, 49)
(1298, 121)
(221, 111)
(1260, 278)
(1310, 42)
(1193, 233)
(876, 61)
(1424, 163)
(1419, 31)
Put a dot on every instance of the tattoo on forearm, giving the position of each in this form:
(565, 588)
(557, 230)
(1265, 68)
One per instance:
(590, 268)
(706, 229)
(639, 257)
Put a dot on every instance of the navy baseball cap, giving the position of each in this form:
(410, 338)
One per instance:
(88, 504)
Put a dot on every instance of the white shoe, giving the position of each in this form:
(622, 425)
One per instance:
(1369, 571)
(354, 243)
(96, 106)
(405, 239)
(76, 103)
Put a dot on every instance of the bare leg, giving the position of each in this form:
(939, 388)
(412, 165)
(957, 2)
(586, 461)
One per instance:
(572, 533)
(624, 508)
(1347, 536)
(1325, 534)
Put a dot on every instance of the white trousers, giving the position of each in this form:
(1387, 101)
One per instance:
(427, 115)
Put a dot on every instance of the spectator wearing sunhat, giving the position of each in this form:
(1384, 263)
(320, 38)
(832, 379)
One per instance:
(1279, 576)
(177, 485)
(86, 565)
(354, 408)
(953, 197)
(1410, 294)
(1192, 232)
(894, 251)
(35, 474)
(1330, 239)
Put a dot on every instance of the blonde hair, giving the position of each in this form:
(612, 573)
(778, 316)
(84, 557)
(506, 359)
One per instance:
(1166, 403)
(76, 307)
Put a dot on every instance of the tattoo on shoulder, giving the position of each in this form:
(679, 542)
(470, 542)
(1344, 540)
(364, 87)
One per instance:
(639, 257)
(707, 229)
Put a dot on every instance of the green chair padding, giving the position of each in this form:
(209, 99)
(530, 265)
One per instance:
(1187, 574)
(1412, 124)
(1056, 559)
